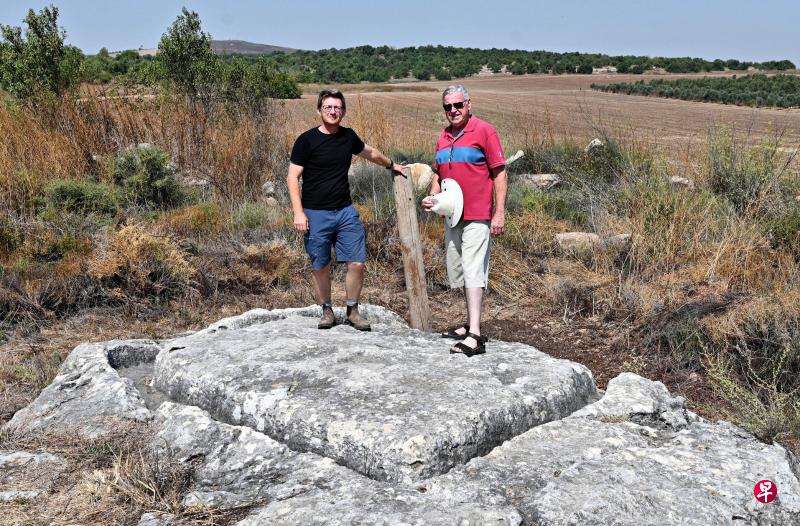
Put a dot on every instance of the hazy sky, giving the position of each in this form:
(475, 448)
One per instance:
(741, 29)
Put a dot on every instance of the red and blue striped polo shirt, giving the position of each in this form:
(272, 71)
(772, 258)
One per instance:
(468, 158)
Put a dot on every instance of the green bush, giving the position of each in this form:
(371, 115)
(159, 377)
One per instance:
(147, 178)
(252, 216)
(749, 176)
(38, 61)
(555, 205)
(81, 197)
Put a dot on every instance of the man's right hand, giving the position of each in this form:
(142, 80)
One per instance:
(301, 222)
(428, 202)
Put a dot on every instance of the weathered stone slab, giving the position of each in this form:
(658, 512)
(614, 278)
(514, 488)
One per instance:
(618, 463)
(88, 395)
(236, 466)
(391, 404)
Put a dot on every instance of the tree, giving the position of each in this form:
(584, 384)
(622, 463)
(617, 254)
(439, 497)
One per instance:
(39, 61)
(185, 57)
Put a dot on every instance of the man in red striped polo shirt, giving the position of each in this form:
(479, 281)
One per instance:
(469, 151)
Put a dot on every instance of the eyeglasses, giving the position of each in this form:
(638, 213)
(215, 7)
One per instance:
(332, 109)
(456, 105)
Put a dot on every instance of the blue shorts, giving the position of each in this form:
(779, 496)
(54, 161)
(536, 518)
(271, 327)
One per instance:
(340, 228)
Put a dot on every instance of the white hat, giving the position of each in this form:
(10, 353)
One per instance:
(449, 202)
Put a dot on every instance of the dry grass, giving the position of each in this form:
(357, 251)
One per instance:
(111, 480)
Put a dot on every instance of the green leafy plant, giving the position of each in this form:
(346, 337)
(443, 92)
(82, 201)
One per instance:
(147, 177)
(81, 197)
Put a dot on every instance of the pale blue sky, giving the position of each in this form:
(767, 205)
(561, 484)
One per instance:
(741, 29)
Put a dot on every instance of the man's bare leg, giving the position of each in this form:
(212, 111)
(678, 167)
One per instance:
(322, 284)
(461, 331)
(354, 279)
(474, 300)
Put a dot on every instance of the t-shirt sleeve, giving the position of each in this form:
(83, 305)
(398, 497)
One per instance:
(301, 151)
(494, 150)
(357, 143)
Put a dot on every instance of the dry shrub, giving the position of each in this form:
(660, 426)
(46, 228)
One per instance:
(512, 275)
(206, 219)
(235, 151)
(576, 290)
(31, 153)
(670, 229)
(369, 120)
(250, 216)
(431, 236)
(272, 263)
(753, 356)
(109, 480)
(244, 153)
(143, 264)
(745, 260)
(532, 233)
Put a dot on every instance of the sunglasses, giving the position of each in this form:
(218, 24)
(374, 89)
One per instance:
(456, 105)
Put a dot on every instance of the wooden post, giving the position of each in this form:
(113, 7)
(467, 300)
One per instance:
(413, 267)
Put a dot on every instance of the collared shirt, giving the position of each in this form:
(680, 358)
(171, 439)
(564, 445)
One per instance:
(468, 157)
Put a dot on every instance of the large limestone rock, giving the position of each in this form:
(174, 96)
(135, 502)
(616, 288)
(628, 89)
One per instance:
(302, 426)
(539, 181)
(391, 404)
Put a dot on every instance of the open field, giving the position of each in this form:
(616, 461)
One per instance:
(562, 106)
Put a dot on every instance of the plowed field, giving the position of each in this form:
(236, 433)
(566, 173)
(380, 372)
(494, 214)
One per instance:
(525, 108)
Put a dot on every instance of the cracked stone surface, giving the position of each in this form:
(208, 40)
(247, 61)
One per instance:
(339, 427)
(612, 464)
(236, 466)
(392, 404)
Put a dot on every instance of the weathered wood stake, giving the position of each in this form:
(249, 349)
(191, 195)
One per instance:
(413, 267)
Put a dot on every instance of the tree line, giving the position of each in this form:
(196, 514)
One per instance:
(36, 61)
(383, 63)
(781, 91)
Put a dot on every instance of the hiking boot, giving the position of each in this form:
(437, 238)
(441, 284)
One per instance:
(356, 320)
(328, 320)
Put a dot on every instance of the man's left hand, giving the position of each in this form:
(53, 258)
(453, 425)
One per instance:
(498, 224)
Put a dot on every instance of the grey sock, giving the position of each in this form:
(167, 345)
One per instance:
(352, 303)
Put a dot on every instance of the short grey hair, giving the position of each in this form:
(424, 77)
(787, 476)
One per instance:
(455, 88)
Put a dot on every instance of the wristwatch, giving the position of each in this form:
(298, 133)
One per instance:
(391, 165)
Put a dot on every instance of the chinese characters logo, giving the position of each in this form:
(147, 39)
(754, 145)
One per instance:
(765, 491)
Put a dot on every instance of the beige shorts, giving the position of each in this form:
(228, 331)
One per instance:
(467, 252)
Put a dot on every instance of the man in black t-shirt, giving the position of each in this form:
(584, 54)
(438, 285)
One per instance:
(324, 211)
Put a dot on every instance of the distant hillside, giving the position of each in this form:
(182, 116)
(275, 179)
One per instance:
(241, 47)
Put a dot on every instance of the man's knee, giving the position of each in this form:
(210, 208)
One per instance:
(356, 266)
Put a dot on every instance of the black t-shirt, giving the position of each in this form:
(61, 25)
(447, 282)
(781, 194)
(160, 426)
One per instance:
(325, 159)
